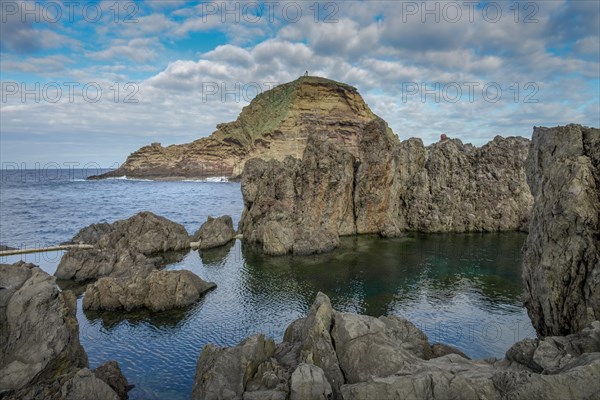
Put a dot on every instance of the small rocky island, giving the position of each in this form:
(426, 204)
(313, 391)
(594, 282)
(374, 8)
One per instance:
(275, 124)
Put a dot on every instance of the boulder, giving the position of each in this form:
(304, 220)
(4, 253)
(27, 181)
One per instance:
(91, 234)
(316, 343)
(159, 291)
(111, 374)
(123, 249)
(215, 232)
(84, 385)
(39, 330)
(561, 260)
(365, 350)
(224, 373)
(40, 353)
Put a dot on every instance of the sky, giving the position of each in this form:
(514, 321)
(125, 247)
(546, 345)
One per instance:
(85, 83)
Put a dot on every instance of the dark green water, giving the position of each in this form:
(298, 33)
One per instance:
(462, 290)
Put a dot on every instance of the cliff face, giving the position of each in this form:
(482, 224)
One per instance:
(562, 252)
(384, 187)
(274, 125)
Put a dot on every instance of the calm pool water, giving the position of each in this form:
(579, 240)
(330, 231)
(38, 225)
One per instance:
(461, 289)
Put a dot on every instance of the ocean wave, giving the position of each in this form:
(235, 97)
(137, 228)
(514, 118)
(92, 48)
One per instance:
(211, 179)
(124, 178)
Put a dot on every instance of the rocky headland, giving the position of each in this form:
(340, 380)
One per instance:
(40, 354)
(385, 187)
(275, 124)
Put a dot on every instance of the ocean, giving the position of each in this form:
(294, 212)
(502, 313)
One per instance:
(461, 289)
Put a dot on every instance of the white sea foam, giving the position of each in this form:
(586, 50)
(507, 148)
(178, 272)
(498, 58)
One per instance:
(211, 179)
(124, 178)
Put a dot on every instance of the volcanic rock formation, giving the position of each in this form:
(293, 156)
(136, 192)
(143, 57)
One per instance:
(159, 291)
(562, 252)
(274, 125)
(123, 248)
(340, 355)
(40, 353)
(215, 232)
(385, 187)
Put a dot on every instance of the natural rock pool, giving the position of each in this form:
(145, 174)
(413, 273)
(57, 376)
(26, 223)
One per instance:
(461, 289)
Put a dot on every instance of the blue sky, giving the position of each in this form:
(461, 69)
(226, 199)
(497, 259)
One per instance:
(472, 70)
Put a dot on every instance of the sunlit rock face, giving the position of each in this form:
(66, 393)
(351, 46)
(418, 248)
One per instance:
(385, 187)
(561, 258)
(276, 124)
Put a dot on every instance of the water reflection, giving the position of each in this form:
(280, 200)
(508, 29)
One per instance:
(216, 256)
(460, 289)
(163, 320)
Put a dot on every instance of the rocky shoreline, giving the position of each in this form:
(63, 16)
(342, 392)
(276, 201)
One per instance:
(333, 355)
(40, 354)
(302, 207)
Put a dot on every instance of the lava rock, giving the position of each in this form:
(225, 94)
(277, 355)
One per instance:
(125, 248)
(561, 260)
(215, 232)
(159, 291)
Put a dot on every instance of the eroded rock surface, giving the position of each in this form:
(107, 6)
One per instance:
(562, 252)
(159, 291)
(275, 124)
(299, 206)
(384, 187)
(123, 248)
(40, 353)
(111, 374)
(225, 373)
(215, 232)
(353, 356)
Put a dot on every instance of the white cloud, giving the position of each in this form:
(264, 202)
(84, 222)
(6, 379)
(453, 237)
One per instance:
(138, 50)
(369, 47)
